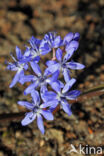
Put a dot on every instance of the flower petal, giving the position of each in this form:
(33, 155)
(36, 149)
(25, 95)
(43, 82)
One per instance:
(57, 42)
(68, 38)
(12, 67)
(27, 52)
(35, 96)
(28, 118)
(44, 47)
(16, 78)
(66, 74)
(43, 88)
(26, 104)
(53, 78)
(74, 65)
(30, 88)
(25, 66)
(18, 53)
(68, 55)
(36, 59)
(50, 62)
(60, 83)
(73, 44)
(47, 96)
(53, 68)
(76, 36)
(40, 124)
(68, 85)
(49, 104)
(59, 54)
(56, 86)
(26, 78)
(36, 68)
(34, 42)
(72, 95)
(47, 114)
(66, 107)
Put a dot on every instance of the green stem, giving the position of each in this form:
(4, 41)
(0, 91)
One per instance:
(97, 88)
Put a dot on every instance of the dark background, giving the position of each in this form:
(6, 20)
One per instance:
(19, 20)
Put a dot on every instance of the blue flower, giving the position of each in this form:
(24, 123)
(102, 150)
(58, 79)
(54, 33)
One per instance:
(17, 66)
(38, 47)
(40, 80)
(71, 41)
(62, 64)
(36, 110)
(30, 55)
(71, 36)
(61, 96)
(53, 40)
(48, 79)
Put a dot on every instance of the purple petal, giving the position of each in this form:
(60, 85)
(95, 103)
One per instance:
(76, 36)
(49, 104)
(60, 83)
(16, 78)
(18, 53)
(43, 88)
(47, 72)
(44, 47)
(47, 114)
(36, 68)
(68, 85)
(53, 105)
(25, 66)
(50, 62)
(26, 60)
(12, 67)
(72, 95)
(30, 88)
(34, 42)
(36, 59)
(56, 42)
(53, 68)
(47, 96)
(27, 52)
(53, 78)
(74, 65)
(40, 124)
(26, 78)
(26, 104)
(66, 107)
(28, 118)
(56, 86)
(66, 74)
(68, 38)
(35, 97)
(59, 54)
(69, 54)
(72, 44)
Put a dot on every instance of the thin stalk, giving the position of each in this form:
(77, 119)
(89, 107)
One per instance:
(54, 54)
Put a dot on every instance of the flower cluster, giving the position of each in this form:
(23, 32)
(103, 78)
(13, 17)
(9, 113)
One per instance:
(45, 100)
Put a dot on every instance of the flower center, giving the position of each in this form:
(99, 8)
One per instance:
(60, 96)
(35, 109)
(42, 79)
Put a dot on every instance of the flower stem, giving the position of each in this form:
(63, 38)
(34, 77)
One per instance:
(54, 54)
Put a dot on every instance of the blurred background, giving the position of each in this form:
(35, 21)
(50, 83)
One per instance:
(19, 20)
